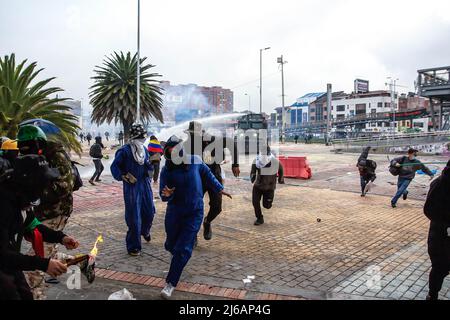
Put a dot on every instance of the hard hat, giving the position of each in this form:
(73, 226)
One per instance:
(10, 145)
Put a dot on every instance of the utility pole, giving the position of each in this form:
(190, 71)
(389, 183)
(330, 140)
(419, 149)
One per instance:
(260, 79)
(329, 101)
(138, 67)
(281, 61)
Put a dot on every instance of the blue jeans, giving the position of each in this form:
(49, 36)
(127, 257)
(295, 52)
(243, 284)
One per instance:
(402, 186)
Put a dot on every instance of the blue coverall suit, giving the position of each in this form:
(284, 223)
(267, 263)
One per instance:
(184, 215)
(139, 206)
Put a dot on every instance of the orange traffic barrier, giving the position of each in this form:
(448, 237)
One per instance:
(296, 167)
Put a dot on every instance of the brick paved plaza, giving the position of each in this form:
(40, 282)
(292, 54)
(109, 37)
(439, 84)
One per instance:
(360, 249)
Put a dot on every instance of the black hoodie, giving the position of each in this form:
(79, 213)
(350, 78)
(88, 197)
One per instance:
(437, 205)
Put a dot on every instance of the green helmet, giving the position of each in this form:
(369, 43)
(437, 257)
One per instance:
(30, 132)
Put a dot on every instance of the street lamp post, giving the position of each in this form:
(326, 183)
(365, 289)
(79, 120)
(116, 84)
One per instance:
(138, 67)
(281, 61)
(260, 78)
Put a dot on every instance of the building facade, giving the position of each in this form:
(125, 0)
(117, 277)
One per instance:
(346, 106)
(411, 102)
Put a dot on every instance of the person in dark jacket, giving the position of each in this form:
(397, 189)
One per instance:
(97, 156)
(181, 185)
(437, 209)
(199, 143)
(408, 166)
(264, 171)
(18, 195)
(89, 138)
(366, 169)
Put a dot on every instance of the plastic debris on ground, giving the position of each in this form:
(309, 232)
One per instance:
(123, 294)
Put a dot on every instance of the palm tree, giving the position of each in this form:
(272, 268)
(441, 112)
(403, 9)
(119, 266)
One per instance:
(113, 94)
(22, 98)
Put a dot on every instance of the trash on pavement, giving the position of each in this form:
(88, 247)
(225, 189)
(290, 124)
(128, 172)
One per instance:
(123, 294)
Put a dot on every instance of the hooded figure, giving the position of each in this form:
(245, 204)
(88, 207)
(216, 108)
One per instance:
(366, 169)
(199, 143)
(96, 154)
(181, 185)
(18, 195)
(132, 166)
(408, 166)
(437, 209)
(265, 171)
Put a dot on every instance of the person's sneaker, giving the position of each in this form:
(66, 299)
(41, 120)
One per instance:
(393, 205)
(259, 221)
(405, 196)
(431, 298)
(207, 231)
(166, 293)
(363, 195)
(98, 180)
(148, 238)
(92, 182)
(134, 253)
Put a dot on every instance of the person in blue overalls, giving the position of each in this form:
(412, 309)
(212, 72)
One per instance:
(132, 166)
(181, 185)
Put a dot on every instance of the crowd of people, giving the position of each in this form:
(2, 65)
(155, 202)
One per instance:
(38, 178)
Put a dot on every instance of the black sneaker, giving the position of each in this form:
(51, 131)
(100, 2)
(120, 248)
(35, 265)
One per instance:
(363, 195)
(259, 221)
(147, 238)
(134, 253)
(393, 205)
(207, 231)
(405, 196)
(98, 180)
(92, 182)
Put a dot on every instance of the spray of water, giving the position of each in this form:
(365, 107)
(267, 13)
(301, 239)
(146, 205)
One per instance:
(178, 130)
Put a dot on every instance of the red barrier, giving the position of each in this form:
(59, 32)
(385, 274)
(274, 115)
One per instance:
(296, 167)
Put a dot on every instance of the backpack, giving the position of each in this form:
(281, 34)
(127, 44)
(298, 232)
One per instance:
(372, 165)
(394, 170)
(77, 181)
(95, 151)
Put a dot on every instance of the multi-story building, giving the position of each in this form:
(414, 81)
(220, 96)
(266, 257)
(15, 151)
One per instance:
(300, 109)
(318, 109)
(184, 102)
(411, 102)
(363, 104)
(296, 114)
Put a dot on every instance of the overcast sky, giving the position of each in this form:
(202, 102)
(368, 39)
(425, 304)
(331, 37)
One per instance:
(217, 42)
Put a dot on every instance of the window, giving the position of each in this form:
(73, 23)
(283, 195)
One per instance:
(312, 118)
(340, 116)
(340, 108)
(312, 110)
(361, 108)
(387, 105)
(380, 104)
(352, 113)
(373, 111)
